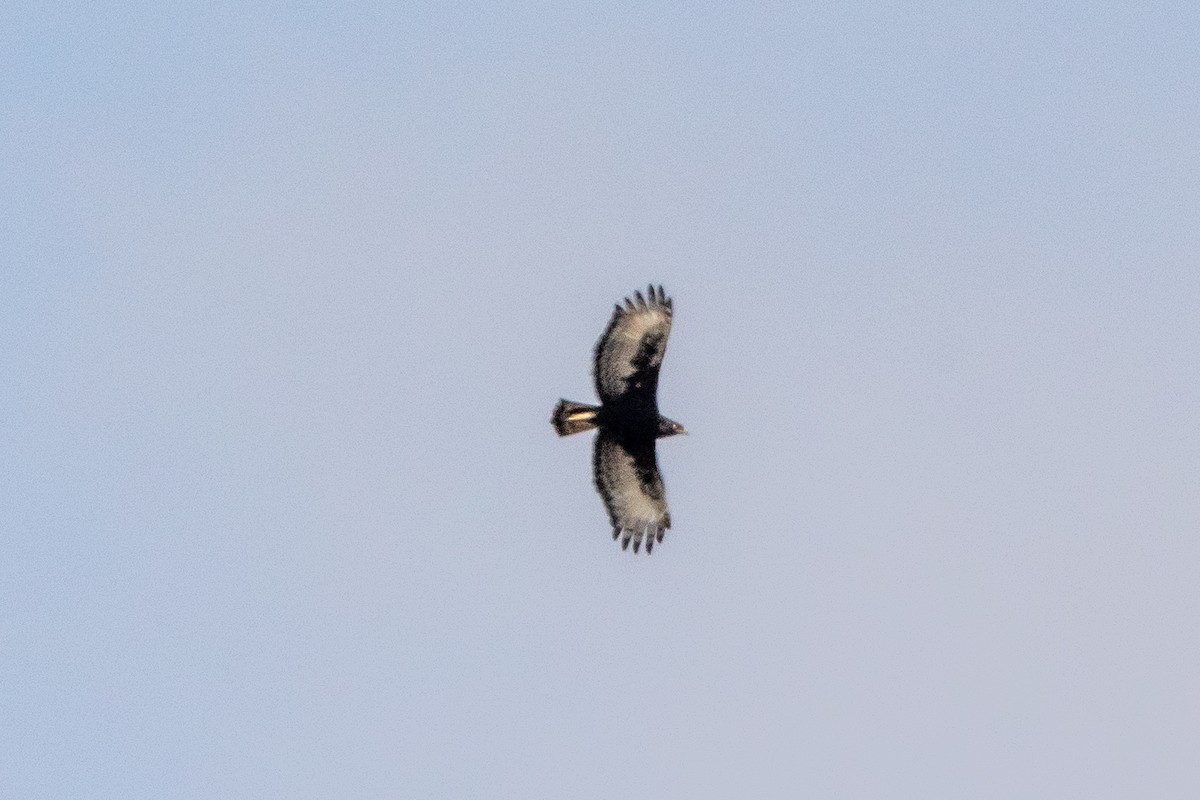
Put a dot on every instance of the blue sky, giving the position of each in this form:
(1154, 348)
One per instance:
(287, 294)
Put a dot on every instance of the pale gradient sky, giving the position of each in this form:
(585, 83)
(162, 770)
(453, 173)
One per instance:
(287, 293)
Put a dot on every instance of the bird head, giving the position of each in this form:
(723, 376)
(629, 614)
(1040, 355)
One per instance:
(669, 427)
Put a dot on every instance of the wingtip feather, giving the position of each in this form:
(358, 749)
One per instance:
(655, 297)
(651, 536)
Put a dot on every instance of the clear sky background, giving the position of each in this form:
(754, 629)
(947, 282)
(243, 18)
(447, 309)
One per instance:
(288, 291)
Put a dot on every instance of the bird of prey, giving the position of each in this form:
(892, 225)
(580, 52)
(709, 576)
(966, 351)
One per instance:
(625, 367)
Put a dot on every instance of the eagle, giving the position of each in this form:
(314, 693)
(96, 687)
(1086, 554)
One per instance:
(628, 424)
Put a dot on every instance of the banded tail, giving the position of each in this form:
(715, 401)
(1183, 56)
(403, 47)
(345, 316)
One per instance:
(570, 417)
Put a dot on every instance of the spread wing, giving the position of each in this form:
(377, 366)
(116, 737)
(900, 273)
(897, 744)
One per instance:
(628, 481)
(631, 350)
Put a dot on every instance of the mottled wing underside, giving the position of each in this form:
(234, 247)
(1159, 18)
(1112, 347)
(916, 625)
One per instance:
(631, 350)
(628, 481)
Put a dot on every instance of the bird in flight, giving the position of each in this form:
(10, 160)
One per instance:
(624, 467)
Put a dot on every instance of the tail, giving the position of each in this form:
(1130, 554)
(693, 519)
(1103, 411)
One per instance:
(572, 417)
